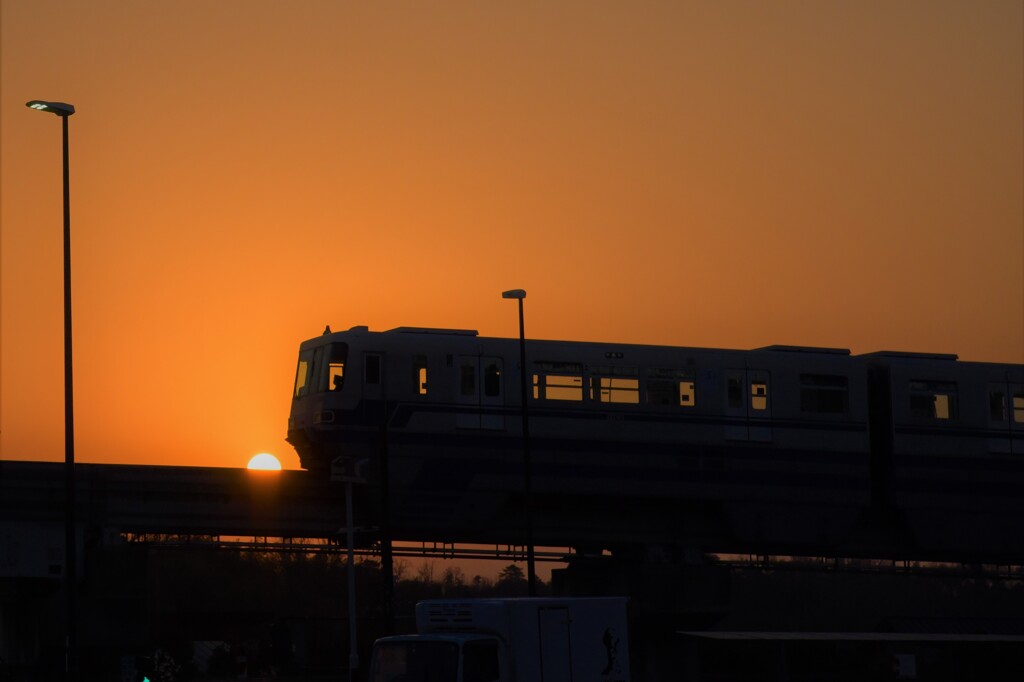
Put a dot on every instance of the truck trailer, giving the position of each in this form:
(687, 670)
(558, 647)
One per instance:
(510, 640)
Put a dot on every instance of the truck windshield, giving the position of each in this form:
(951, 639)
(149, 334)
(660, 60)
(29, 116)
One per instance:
(415, 662)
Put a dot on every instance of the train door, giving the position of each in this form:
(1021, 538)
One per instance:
(481, 394)
(374, 407)
(373, 376)
(492, 397)
(1016, 415)
(1006, 418)
(748, 405)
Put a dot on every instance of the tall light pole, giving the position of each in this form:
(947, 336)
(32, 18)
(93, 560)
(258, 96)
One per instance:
(70, 551)
(531, 570)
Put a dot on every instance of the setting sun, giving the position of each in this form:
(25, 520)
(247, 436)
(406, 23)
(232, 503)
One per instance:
(265, 462)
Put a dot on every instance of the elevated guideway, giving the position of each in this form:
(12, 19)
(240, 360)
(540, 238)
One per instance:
(173, 506)
(173, 500)
(305, 512)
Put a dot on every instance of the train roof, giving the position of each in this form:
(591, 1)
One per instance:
(891, 355)
(805, 349)
(851, 636)
(430, 330)
(904, 355)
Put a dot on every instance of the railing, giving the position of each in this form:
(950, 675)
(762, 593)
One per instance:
(567, 555)
(261, 543)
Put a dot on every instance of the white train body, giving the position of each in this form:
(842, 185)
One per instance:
(780, 449)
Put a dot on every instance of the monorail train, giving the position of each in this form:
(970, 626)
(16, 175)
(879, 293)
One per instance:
(777, 450)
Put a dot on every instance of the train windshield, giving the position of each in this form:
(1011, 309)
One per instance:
(337, 354)
(423, 661)
(303, 373)
(321, 369)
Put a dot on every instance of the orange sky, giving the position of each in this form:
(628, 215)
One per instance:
(725, 174)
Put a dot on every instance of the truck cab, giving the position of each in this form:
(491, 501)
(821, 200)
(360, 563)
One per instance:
(510, 640)
(438, 658)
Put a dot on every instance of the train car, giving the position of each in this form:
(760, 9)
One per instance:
(781, 449)
(949, 452)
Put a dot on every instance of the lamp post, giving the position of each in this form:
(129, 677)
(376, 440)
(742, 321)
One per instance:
(531, 571)
(70, 552)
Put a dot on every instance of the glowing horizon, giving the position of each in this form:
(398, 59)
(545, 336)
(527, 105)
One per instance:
(706, 174)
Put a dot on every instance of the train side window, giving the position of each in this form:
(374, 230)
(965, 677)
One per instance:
(492, 380)
(419, 374)
(616, 390)
(734, 392)
(933, 399)
(558, 381)
(1018, 407)
(671, 387)
(996, 405)
(373, 369)
(660, 392)
(759, 395)
(614, 385)
(557, 387)
(687, 394)
(467, 378)
(824, 394)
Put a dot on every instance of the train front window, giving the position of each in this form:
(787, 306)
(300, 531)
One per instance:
(302, 374)
(337, 356)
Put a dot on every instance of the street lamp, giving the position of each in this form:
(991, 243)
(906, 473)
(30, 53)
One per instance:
(531, 571)
(70, 553)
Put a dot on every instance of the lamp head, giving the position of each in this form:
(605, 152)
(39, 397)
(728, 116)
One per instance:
(59, 108)
(519, 294)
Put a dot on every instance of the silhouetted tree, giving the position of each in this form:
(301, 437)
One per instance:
(511, 581)
(453, 581)
(425, 573)
(511, 574)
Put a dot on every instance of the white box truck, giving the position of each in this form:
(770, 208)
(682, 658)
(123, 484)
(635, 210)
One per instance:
(510, 640)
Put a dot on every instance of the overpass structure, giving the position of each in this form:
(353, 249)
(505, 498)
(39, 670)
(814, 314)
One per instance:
(305, 511)
(114, 502)
(204, 506)
(159, 507)
(208, 507)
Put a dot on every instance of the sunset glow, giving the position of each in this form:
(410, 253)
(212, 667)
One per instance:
(717, 174)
